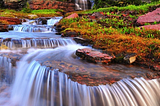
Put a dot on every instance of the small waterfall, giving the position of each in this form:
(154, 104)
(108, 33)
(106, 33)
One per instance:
(6, 70)
(38, 85)
(81, 4)
(37, 43)
(53, 21)
(33, 28)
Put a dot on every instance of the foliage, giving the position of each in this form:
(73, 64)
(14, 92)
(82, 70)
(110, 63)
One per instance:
(1, 3)
(108, 3)
(27, 9)
(24, 14)
(117, 35)
(140, 8)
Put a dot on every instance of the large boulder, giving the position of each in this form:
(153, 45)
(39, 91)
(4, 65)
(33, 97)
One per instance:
(93, 56)
(150, 17)
(74, 15)
(10, 21)
(152, 27)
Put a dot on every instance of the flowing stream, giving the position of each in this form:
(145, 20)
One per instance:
(32, 83)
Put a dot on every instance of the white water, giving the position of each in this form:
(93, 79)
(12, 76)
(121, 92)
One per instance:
(37, 43)
(31, 26)
(81, 4)
(38, 85)
(53, 21)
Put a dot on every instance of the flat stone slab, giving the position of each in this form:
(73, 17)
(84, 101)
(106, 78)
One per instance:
(150, 17)
(93, 56)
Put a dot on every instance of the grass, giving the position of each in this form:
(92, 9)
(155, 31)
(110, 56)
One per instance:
(23, 14)
(143, 8)
(117, 36)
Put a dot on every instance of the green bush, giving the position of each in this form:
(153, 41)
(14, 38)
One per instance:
(27, 8)
(155, 0)
(108, 3)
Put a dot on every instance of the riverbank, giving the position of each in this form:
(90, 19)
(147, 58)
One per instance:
(116, 30)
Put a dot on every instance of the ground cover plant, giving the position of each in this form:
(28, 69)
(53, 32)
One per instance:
(24, 13)
(117, 33)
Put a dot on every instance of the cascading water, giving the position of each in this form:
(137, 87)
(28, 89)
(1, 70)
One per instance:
(38, 85)
(37, 43)
(6, 70)
(81, 4)
(41, 79)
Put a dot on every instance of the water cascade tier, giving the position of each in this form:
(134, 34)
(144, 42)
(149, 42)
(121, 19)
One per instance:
(81, 4)
(38, 85)
(36, 42)
(39, 68)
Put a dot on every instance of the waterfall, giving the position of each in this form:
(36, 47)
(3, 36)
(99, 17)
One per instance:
(33, 28)
(37, 43)
(6, 70)
(53, 21)
(38, 85)
(81, 4)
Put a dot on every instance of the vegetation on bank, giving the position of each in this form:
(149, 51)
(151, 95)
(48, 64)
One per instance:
(30, 14)
(117, 33)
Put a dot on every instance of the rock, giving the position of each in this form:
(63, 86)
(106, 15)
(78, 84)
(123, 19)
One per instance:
(84, 42)
(74, 15)
(130, 58)
(32, 16)
(93, 56)
(3, 28)
(150, 17)
(10, 21)
(152, 27)
(43, 4)
(69, 34)
(98, 15)
(156, 67)
(41, 21)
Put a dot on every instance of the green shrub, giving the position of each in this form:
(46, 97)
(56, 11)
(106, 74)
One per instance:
(27, 9)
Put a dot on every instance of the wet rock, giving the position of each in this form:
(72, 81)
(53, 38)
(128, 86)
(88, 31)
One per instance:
(93, 56)
(3, 28)
(74, 15)
(150, 17)
(130, 58)
(41, 21)
(84, 42)
(69, 34)
(152, 27)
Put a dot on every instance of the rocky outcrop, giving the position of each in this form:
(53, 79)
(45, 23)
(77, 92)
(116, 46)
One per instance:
(130, 58)
(74, 15)
(3, 28)
(93, 56)
(150, 17)
(46, 4)
(16, 4)
(152, 27)
(5, 21)
(10, 21)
